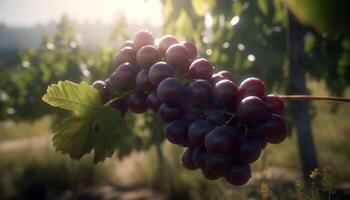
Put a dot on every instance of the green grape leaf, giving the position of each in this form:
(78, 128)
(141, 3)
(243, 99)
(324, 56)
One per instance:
(92, 127)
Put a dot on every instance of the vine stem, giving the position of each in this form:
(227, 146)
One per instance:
(311, 98)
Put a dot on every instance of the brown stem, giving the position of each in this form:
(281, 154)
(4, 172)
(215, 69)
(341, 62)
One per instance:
(310, 98)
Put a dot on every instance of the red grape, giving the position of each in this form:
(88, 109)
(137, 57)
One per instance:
(169, 113)
(147, 56)
(238, 174)
(225, 93)
(198, 130)
(142, 81)
(159, 71)
(143, 38)
(272, 129)
(251, 87)
(251, 109)
(186, 159)
(123, 79)
(177, 57)
(192, 49)
(165, 42)
(201, 69)
(126, 54)
(153, 101)
(275, 104)
(176, 132)
(138, 102)
(171, 91)
(103, 89)
(217, 142)
(200, 92)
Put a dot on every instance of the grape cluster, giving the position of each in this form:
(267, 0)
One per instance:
(224, 126)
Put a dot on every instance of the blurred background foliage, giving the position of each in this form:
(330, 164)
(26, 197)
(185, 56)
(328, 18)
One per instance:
(246, 37)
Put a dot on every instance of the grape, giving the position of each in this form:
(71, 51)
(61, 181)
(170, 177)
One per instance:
(121, 105)
(165, 42)
(275, 104)
(251, 109)
(193, 114)
(169, 113)
(210, 175)
(138, 102)
(143, 38)
(216, 78)
(123, 79)
(225, 93)
(200, 92)
(128, 43)
(198, 157)
(160, 71)
(192, 49)
(217, 164)
(126, 54)
(235, 138)
(176, 132)
(201, 69)
(217, 142)
(238, 174)
(226, 74)
(272, 129)
(147, 56)
(186, 159)
(153, 101)
(251, 87)
(216, 117)
(171, 91)
(198, 130)
(103, 89)
(142, 81)
(177, 57)
(249, 150)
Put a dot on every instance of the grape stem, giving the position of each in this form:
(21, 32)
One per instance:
(317, 98)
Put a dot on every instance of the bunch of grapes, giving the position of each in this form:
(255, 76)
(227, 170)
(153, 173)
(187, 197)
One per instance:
(224, 126)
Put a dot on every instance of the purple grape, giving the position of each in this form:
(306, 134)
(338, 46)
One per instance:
(128, 43)
(210, 175)
(165, 42)
(249, 150)
(238, 174)
(123, 79)
(138, 102)
(226, 75)
(143, 38)
(142, 81)
(251, 87)
(251, 110)
(200, 92)
(192, 114)
(217, 142)
(126, 55)
(192, 49)
(177, 57)
(272, 129)
(176, 132)
(103, 89)
(160, 71)
(153, 101)
(171, 91)
(216, 117)
(186, 159)
(198, 130)
(198, 157)
(147, 56)
(216, 78)
(217, 164)
(275, 104)
(201, 69)
(225, 93)
(169, 113)
(121, 105)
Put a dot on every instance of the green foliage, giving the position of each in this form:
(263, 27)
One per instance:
(93, 126)
(324, 15)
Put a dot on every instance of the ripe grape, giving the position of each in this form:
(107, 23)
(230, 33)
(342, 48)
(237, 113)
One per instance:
(143, 38)
(169, 113)
(103, 89)
(238, 174)
(165, 42)
(217, 164)
(226, 74)
(200, 92)
(251, 87)
(123, 79)
(142, 81)
(216, 78)
(186, 159)
(177, 57)
(171, 91)
(198, 130)
(249, 150)
(138, 102)
(201, 69)
(176, 132)
(121, 105)
(153, 101)
(192, 114)
(128, 43)
(198, 157)
(147, 56)
(216, 117)
(272, 129)
(275, 104)
(160, 71)
(217, 142)
(210, 175)
(192, 49)
(225, 93)
(126, 54)
(251, 109)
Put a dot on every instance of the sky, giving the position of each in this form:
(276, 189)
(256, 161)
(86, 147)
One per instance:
(32, 12)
